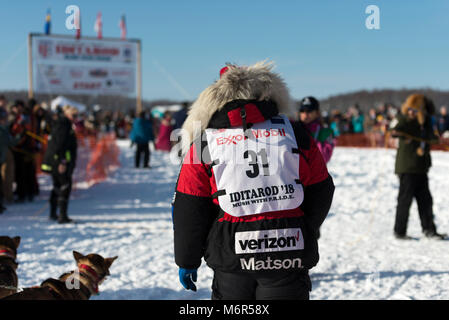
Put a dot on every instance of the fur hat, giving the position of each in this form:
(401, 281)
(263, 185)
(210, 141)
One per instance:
(421, 104)
(424, 106)
(255, 82)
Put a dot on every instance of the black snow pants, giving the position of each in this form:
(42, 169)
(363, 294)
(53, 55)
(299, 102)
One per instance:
(60, 194)
(283, 285)
(414, 186)
(145, 149)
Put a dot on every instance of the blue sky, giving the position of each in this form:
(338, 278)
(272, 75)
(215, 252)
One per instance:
(320, 47)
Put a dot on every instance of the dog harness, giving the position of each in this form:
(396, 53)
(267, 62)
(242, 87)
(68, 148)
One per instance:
(5, 252)
(91, 274)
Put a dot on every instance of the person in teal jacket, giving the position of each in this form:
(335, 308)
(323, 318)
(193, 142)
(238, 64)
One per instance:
(141, 135)
(358, 120)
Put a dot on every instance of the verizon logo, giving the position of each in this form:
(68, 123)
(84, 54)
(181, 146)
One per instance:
(268, 240)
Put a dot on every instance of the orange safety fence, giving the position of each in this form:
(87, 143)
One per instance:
(97, 157)
(379, 140)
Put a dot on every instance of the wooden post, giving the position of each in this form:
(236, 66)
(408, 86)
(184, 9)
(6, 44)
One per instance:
(139, 79)
(30, 68)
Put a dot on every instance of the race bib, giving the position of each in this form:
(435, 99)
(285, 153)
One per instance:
(257, 171)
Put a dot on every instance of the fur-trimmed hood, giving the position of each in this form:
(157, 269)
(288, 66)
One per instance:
(255, 82)
(421, 104)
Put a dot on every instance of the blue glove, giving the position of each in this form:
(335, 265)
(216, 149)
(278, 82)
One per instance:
(187, 277)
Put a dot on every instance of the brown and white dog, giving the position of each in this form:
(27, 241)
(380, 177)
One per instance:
(79, 284)
(8, 265)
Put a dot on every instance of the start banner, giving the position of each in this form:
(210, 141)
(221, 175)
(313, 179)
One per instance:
(65, 65)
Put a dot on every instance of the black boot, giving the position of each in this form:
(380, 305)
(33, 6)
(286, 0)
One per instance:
(63, 218)
(432, 234)
(401, 236)
(53, 215)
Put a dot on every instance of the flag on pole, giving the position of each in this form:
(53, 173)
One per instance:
(98, 26)
(78, 24)
(122, 25)
(48, 22)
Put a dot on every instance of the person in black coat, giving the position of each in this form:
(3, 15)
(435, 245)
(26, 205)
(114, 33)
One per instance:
(413, 162)
(60, 161)
(253, 222)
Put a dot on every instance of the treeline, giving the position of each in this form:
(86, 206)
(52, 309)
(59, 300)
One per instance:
(364, 98)
(372, 99)
(106, 102)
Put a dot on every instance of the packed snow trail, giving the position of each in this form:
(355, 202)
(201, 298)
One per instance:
(129, 215)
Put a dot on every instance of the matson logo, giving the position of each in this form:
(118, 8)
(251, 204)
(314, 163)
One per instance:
(269, 264)
(268, 240)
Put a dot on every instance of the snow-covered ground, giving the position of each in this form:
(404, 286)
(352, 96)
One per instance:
(129, 215)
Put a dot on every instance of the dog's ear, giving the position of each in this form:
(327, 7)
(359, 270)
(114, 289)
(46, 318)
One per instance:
(78, 256)
(16, 241)
(109, 261)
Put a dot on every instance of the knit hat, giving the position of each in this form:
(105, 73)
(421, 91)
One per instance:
(309, 104)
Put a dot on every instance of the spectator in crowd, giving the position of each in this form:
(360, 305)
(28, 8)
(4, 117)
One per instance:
(372, 128)
(79, 124)
(165, 128)
(443, 120)
(7, 166)
(336, 123)
(357, 119)
(6, 141)
(24, 151)
(382, 118)
(3, 102)
(141, 135)
(120, 127)
(60, 161)
(309, 113)
(178, 119)
(413, 161)
(180, 116)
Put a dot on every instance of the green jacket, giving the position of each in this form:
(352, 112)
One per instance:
(407, 159)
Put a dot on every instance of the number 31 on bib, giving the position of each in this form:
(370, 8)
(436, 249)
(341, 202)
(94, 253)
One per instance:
(256, 172)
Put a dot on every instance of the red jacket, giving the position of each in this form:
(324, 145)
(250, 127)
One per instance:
(203, 229)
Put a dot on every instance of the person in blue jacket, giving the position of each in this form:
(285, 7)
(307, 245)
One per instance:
(141, 135)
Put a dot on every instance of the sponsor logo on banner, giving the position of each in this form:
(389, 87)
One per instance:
(253, 264)
(44, 48)
(268, 241)
(76, 73)
(98, 73)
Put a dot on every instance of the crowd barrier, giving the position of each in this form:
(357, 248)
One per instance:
(97, 157)
(379, 140)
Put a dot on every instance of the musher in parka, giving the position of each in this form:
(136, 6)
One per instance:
(252, 191)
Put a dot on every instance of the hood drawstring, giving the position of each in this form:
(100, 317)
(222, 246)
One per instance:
(243, 115)
(247, 133)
